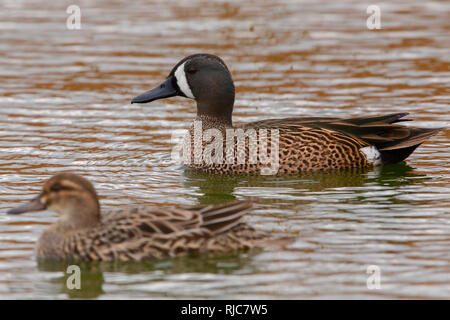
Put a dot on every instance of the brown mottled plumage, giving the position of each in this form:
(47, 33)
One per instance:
(312, 144)
(305, 144)
(138, 233)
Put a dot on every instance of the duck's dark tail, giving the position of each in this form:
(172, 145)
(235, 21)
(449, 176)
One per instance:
(395, 142)
(399, 150)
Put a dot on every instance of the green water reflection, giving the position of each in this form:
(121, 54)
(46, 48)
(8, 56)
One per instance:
(92, 274)
(218, 189)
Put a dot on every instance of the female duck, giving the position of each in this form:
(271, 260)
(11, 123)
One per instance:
(296, 144)
(82, 234)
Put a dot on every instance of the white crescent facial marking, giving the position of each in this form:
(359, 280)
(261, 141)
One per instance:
(372, 155)
(182, 82)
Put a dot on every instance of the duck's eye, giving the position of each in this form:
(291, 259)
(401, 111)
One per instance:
(58, 187)
(191, 71)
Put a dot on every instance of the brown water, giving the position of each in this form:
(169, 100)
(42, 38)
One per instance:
(64, 105)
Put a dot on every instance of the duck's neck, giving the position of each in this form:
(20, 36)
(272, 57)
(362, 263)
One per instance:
(209, 122)
(52, 244)
(78, 215)
(216, 107)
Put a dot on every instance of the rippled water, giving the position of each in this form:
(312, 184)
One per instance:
(64, 105)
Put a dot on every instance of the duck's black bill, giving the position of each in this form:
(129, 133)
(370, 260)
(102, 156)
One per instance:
(164, 90)
(31, 206)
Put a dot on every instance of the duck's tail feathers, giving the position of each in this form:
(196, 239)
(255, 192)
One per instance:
(400, 149)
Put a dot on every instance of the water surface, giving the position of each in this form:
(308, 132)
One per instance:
(64, 105)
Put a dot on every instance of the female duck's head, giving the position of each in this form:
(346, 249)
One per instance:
(203, 77)
(71, 196)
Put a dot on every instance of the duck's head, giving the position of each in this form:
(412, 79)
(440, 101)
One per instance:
(203, 77)
(71, 196)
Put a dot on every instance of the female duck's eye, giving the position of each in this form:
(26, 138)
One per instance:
(58, 187)
(191, 71)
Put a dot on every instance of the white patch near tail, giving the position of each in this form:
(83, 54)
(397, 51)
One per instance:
(372, 155)
(182, 81)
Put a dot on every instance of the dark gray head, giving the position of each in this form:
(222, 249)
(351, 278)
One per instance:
(203, 77)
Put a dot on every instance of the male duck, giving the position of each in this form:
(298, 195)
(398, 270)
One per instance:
(139, 233)
(298, 143)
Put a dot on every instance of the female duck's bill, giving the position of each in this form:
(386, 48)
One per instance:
(136, 233)
(34, 205)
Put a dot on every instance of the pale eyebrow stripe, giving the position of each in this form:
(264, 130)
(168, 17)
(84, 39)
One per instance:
(70, 184)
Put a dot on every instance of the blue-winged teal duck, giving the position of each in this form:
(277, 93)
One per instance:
(138, 233)
(303, 144)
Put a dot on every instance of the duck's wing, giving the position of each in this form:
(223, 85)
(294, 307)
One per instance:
(215, 219)
(222, 218)
(224, 222)
(395, 142)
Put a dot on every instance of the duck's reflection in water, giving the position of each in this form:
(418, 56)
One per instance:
(92, 274)
(215, 189)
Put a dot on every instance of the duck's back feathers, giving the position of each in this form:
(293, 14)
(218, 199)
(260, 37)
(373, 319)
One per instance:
(395, 142)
